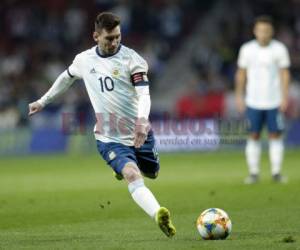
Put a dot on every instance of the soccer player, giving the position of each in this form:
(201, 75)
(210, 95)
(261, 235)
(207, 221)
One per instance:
(116, 80)
(263, 70)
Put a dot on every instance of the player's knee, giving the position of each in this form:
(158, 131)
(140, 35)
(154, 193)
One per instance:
(131, 172)
(255, 136)
(274, 135)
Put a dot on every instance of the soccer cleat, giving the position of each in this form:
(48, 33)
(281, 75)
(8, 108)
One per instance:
(279, 178)
(119, 177)
(163, 219)
(251, 179)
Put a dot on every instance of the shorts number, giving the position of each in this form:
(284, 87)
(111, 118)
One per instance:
(106, 84)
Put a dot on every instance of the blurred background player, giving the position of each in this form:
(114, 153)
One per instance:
(116, 81)
(263, 72)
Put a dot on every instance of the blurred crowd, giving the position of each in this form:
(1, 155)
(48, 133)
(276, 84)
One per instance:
(40, 39)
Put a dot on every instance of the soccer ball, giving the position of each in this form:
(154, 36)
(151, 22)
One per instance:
(214, 224)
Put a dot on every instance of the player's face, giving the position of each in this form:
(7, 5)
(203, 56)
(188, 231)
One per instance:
(263, 33)
(108, 41)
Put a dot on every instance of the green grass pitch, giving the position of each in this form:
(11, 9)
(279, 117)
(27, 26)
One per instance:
(73, 202)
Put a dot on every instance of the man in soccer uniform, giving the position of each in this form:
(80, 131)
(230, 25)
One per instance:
(116, 81)
(263, 66)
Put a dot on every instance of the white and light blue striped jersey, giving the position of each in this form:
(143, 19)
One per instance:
(110, 83)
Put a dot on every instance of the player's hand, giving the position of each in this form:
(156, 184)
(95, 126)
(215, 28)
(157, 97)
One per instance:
(142, 127)
(240, 104)
(34, 107)
(283, 105)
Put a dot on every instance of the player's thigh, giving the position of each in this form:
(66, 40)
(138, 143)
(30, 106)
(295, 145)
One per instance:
(255, 120)
(147, 157)
(116, 155)
(275, 121)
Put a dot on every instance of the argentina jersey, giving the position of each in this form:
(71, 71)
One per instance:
(110, 83)
(263, 64)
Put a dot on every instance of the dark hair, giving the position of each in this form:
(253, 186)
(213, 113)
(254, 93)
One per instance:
(264, 19)
(107, 21)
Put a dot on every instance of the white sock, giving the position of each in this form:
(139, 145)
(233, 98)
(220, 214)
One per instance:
(143, 197)
(253, 151)
(276, 149)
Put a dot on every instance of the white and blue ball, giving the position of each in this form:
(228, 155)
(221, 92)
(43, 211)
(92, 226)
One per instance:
(214, 224)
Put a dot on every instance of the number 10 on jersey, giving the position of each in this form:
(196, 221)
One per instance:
(107, 84)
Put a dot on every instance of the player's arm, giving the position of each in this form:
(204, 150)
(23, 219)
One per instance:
(241, 79)
(285, 80)
(138, 69)
(61, 84)
(240, 83)
(142, 126)
(284, 72)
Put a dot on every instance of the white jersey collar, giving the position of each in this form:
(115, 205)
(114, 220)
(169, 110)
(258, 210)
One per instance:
(108, 55)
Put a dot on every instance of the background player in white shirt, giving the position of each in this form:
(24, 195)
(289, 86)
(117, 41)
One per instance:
(263, 72)
(116, 81)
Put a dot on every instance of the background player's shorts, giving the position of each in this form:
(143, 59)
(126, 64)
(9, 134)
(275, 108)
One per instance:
(117, 155)
(273, 118)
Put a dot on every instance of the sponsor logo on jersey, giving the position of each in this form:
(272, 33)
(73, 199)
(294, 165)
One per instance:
(92, 71)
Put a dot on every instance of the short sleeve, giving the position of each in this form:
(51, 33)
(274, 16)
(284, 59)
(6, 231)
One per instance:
(74, 69)
(242, 58)
(283, 57)
(137, 64)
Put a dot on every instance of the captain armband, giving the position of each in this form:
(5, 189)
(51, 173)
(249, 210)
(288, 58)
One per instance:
(140, 79)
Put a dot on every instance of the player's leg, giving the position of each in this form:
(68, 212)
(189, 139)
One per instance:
(110, 152)
(253, 146)
(148, 163)
(147, 158)
(123, 161)
(275, 124)
(146, 200)
(139, 192)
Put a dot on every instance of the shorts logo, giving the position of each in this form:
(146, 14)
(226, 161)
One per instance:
(111, 155)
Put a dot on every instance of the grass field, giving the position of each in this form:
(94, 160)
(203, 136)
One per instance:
(73, 202)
